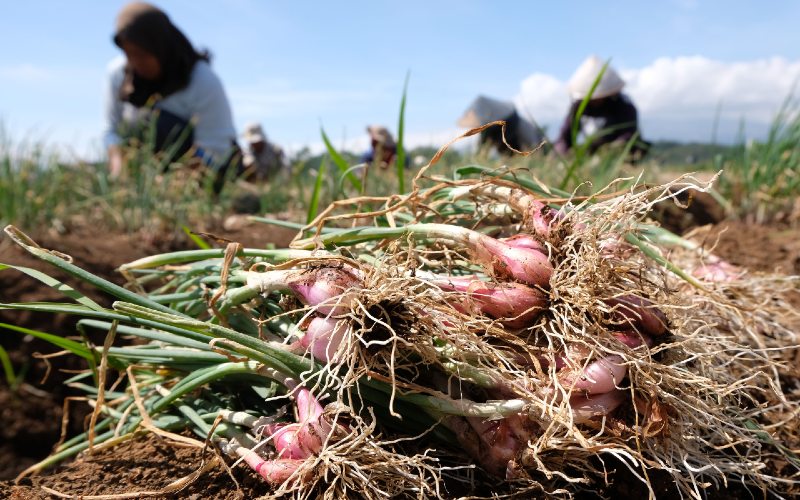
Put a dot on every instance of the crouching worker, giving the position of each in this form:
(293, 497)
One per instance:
(520, 134)
(165, 87)
(262, 159)
(609, 117)
(383, 149)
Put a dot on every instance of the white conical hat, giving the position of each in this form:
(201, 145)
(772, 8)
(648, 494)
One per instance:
(584, 77)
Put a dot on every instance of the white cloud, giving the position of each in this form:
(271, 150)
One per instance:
(678, 97)
(26, 73)
(542, 97)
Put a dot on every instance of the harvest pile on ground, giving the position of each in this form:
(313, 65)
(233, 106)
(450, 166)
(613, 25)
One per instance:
(477, 335)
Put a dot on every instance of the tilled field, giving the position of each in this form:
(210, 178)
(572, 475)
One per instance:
(30, 417)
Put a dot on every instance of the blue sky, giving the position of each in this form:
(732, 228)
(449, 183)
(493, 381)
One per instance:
(296, 65)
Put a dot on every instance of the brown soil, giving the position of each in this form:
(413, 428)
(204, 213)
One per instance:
(30, 416)
(29, 419)
(147, 464)
(757, 248)
(693, 209)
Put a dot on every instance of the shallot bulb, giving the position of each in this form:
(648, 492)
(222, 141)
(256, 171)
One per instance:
(501, 441)
(286, 441)
(639, 313)
(633, 339)
(325, 288)
(305, 437)
(538, 216)
(542, 217)
(515, 304)
(323, 338)
(330, 289)
(587, 407)
(718, 271)
(599, 377)
(523, 264)
(274, 471)
(523, 240)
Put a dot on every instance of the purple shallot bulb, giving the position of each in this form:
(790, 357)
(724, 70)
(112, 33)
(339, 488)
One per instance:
(274, 471)
(523, 240)
(323, 338)
(325, 288)
(588, 407)
(598, 377)
(639, 313)
(523, 264)
(515, 304)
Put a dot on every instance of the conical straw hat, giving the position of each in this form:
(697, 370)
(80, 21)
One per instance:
(484, 110)
(584, 77)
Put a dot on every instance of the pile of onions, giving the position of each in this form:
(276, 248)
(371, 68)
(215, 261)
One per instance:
(515, 297)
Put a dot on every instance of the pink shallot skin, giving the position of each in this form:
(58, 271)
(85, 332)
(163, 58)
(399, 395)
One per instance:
(585, 408)
(539, 216)
(544, 218)
(274, 471)
(501, 440)
(314, 428)
(304, 438)
(323, 338)
(286, 441)
(523, 264)
(633, 339)
(599, 377)
(718, 271)
(325, 289)
(515, 304)
(523, 240)
(575, 352)
(639, 313)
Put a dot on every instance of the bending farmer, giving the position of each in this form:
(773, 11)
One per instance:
(164, 89)
(609, 116)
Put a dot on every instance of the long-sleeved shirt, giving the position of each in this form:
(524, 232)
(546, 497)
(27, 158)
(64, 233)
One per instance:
(203, 102)
(616, 120)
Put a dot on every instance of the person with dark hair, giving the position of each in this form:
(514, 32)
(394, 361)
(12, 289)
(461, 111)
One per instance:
(163, 82)
(383, 149)
(609, 117)
(520, 134)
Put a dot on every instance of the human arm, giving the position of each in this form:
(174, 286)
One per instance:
(115, 160)
(113, 115)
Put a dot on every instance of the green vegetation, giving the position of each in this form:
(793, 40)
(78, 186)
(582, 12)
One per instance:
(384, 322)
(219, 338)
(764, 177)
(41, 189)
